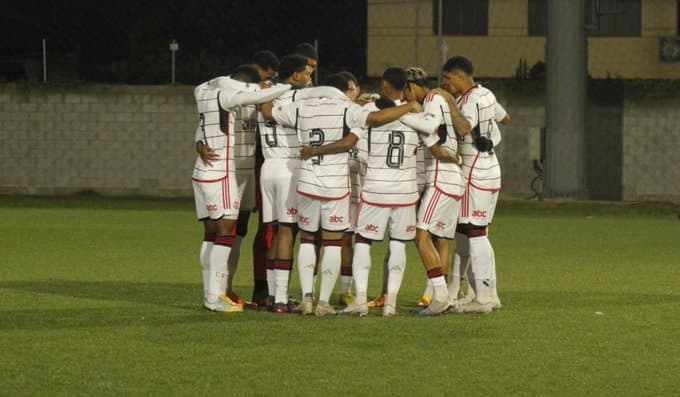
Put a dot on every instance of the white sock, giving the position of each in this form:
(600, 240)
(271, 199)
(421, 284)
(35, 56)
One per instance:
(204, 257)
(397, 266)
(440, 292)
(330, 268)
(306, 261)
(282, 277)
(456, 273)
(386, 271)
(361, 265)
(271, 282)
(346, 282)
(480, 261)
(217, 281)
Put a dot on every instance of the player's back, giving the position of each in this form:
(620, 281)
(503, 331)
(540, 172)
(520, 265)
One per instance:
(390, 178)
(278, 141)
(321, 121)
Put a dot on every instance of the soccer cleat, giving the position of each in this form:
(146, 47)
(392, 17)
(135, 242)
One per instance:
(424, 300)
(377, 302)
(223, 305)
(476, 307)
(389, 311)
(345, 299)
(280, 308)
(435, 308)
(305, 307)
(355, 310)
(323, 308)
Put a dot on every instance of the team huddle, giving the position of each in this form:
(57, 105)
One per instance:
(342, 171)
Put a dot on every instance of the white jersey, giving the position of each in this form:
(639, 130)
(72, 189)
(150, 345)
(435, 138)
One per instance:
(390, 179)
(358, 157)
(421, 175)
(321, 121)
(223, 105)
(278, 141)
(479, 106)
(445, 177)
(245, 136)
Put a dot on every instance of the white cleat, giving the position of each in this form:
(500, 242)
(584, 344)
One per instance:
(389, 311)
(355, 310)
(435, 308)
(496, 303)
(305, 307)
(223, 305)
(476, 307)
(323, 308)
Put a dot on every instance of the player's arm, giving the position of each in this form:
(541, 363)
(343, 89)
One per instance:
(460, 123)
(252, 98)
(388, 115)
(342, 145)
(320, 92)
(500, 114)
(441, 153)
(266, 110)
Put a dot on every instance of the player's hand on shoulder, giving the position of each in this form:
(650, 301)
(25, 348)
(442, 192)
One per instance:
(265, 84)
(416, 107)
(306, 152)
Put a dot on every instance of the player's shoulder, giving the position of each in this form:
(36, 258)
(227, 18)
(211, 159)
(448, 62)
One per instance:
(370, 107)
(478, 93)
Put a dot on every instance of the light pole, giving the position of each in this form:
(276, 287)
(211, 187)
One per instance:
(174, 47)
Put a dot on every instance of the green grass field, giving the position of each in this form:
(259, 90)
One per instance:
(102, 297)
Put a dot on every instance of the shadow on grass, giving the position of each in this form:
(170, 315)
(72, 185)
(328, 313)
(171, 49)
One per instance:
(176, 303)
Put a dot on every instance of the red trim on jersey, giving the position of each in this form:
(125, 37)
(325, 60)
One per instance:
(322, 197)
(463, 99)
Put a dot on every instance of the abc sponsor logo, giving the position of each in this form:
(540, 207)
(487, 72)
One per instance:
(303, 219)
(211, 207)
(410, 228)
(440, 225)
(371, 228)
(478, 214)
(335, 219)
(291, 211)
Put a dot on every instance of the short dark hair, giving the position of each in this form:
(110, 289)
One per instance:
(459, 63)
(338, 81)
(291, 64)
(266, 60)
(306, 50)
(349, 76)
(245, 73)
(395, 77)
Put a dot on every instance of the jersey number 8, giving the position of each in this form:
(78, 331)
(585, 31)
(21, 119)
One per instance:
(395, 150)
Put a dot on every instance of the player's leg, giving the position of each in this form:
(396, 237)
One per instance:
(346, 268)
(308, 223)
(283, 261)
(459, 264)
(334, 222)
(436, 216)
(206, 246)
(402, 226)
(235, 255)
(262, 243)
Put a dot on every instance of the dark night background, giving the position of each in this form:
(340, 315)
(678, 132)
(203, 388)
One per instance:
(127, 41)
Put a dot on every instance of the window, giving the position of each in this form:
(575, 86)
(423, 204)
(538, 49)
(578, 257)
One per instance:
(613, 17)
(603, 17)
(462, 17)
(538, 17)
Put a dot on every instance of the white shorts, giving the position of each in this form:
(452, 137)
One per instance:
(277, 183)
(246, 189)
(373, 221)
(332, 215)
(478, 206)
(438, 213)
(216, 200)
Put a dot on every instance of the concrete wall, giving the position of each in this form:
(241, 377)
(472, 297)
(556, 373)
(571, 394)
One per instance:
(127, 140)
(109, 139)
(393, 26)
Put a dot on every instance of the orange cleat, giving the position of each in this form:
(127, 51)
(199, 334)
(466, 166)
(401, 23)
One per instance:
(377, 302)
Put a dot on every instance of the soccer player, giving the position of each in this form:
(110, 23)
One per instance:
(221, 103)
(309, 52)
(280, 148)
(267, 65)
(323, 190)
(384, 203)
(440, 203)
(480, 164)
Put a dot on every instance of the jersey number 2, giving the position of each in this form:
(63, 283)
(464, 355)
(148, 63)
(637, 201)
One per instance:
(316, 139)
